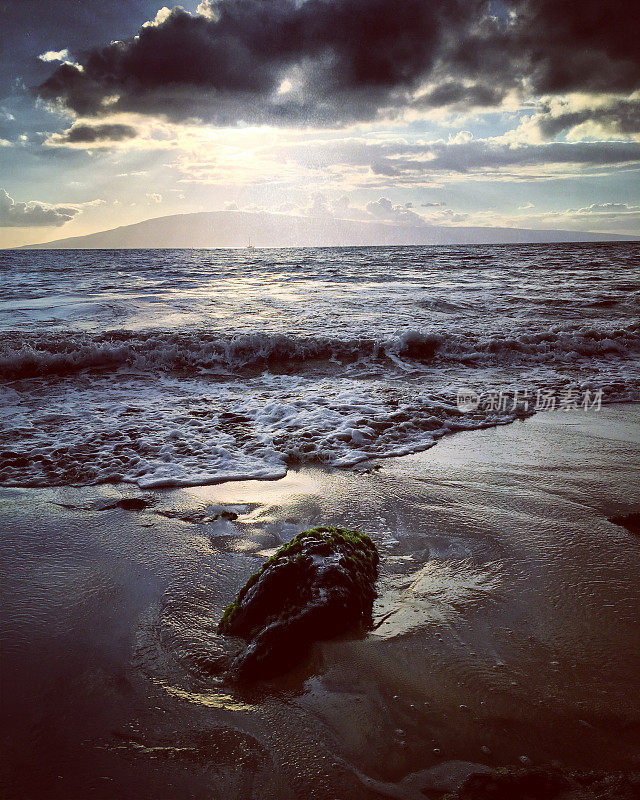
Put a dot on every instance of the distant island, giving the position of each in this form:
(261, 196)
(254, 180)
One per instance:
(220, 229)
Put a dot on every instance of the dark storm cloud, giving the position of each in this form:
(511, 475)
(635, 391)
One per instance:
(351, 56)
(454, 93)
(585, 44)
(92, 134)
(30, 27)
(19, 215)
(349, 59)
(553, 45)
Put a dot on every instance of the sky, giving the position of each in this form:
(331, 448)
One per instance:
(522, 113)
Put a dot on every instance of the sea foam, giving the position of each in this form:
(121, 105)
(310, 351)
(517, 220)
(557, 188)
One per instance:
(165, 368)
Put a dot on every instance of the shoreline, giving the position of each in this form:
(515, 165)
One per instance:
(365, 463)
(506, 627)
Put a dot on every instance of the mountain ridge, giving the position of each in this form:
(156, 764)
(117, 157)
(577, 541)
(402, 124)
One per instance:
(232, 229)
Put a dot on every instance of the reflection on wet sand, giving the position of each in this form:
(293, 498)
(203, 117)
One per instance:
(505, 630)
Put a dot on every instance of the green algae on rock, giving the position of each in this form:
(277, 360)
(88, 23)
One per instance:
(318, 585)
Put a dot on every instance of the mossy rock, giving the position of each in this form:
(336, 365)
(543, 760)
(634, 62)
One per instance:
(318, 585)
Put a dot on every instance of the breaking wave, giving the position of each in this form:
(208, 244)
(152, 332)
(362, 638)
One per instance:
(24, 356)
(224, 367)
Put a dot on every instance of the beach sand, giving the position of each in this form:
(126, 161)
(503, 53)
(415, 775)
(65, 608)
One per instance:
(506, 630)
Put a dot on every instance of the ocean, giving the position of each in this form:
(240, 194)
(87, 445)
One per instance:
(142, 393)
(184, 367)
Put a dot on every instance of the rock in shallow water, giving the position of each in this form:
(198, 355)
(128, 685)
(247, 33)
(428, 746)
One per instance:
(318, 585)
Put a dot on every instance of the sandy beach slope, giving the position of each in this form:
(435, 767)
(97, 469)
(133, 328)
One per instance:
(506, 627)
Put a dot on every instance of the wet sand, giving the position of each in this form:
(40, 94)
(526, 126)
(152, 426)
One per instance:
(506, 628)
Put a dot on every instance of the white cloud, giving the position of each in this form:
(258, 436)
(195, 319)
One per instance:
(462, 137)
(63, 56)
(162, 15)
(604, 217)
(32, 214)
(207, 8)
(607, 208)
(384, 209)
